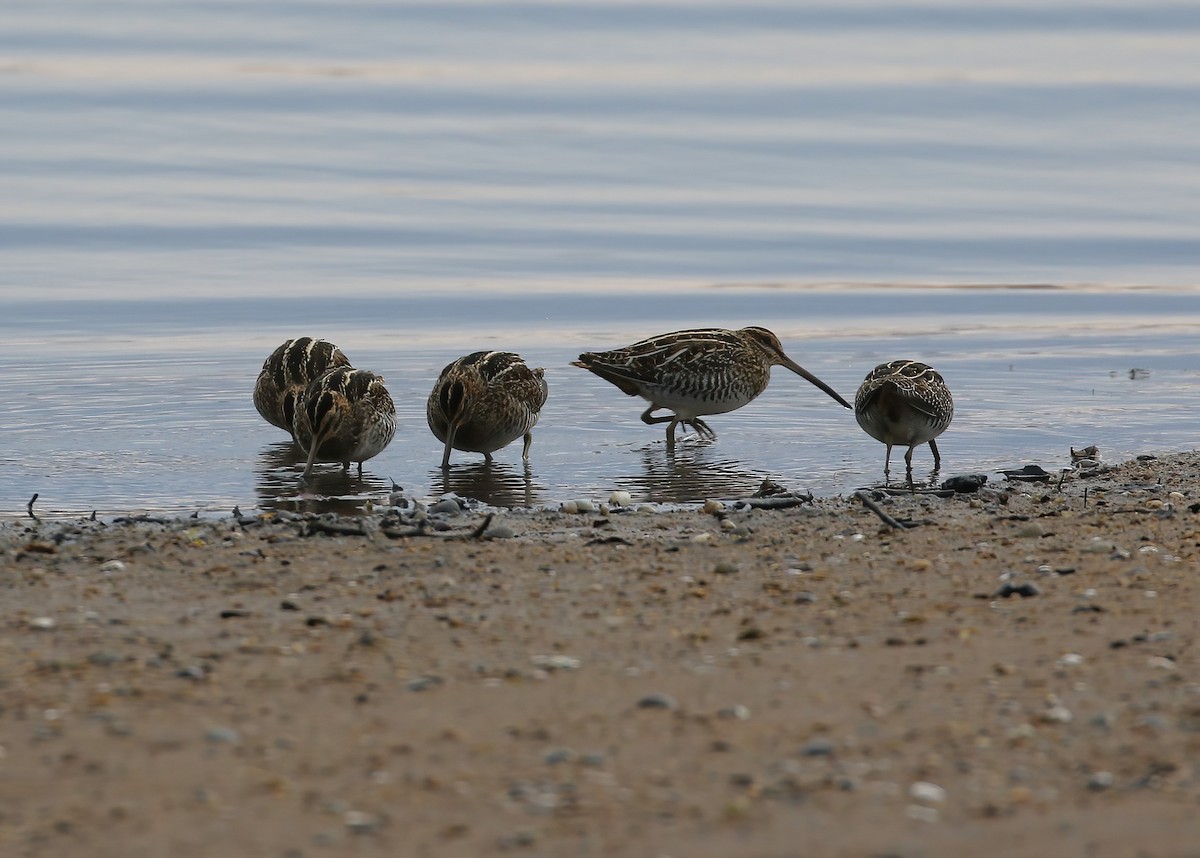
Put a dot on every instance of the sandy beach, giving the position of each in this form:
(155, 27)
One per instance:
(1012, 673)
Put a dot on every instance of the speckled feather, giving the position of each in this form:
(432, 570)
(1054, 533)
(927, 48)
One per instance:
(484, 401)
(287, 372)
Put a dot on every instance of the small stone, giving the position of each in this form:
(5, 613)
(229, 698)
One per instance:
(738, 712)
(1100, 781)
(1159, 662)
(712, 507)
(927, 793)
(219, 735)
(805, 597)
(556, 662)
(105, 658)
(1031, 528)
(620, 498)
(112, 566)
(360, 822)
(657, 701)
(42, 624)
(725, 568)
(446, 506)
(424, 683)
(1058, 715)
(558, 755)
(818, 747)
(1071, 659)
(499, 531)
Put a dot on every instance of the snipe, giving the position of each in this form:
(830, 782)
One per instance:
(345, 415)
(484, 401)
(286, 374)
(905, 403)
(696, 372)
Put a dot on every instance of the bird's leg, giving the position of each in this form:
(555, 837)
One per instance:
(360, 469)
(887, 464)
(671, 434)
(487, 458)
(525, 450)
(648, 419)
(937, 457)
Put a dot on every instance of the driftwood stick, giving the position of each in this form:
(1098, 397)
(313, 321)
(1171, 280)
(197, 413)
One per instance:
(875, 508)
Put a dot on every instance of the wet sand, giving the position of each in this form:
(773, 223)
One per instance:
(1015, 674)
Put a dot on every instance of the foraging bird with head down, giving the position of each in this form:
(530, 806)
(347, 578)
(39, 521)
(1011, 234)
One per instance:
(287, 372)
(696, 372)
(345, 415)
(484, 401)
(905, 403)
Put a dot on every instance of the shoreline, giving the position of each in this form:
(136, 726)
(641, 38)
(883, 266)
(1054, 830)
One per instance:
(1015, 674)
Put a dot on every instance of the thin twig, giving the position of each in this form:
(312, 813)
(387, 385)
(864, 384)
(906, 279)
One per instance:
(875, 508)
(29, 507)
(478, 532)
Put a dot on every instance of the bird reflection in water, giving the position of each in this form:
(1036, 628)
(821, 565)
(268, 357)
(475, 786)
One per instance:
(495, 484)
(690, 475)
(329, 490)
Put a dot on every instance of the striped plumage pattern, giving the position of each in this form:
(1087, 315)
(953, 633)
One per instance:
(696, 372)
(286, 374)
(484, 401)
(904, 403)
(345, 415)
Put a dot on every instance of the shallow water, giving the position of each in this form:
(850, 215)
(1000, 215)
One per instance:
(155, 414)
(187, 184)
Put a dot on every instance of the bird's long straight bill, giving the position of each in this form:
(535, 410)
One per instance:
(805, 374)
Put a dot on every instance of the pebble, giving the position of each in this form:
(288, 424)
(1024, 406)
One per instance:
(725, 568)
(818, 747)
(1100, 781)
(42, 624)
(558, 755)
(927, 793)
(112, 566)
(1070, 659)
(445, 506)
(1031, 528)
(805, 597)
(737, 711)
(657, 701)
(222, 735)
(574, 506)
(556, 662)
(424, 683)
(361, 822)
(620, 498)
(712, 507)
(499, 531)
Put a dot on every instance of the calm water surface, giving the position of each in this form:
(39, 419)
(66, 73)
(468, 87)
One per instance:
(186, 183)
(147, 405)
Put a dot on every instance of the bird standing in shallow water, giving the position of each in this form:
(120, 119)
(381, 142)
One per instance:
(907, 403)
(287, 373)
(484, 401)
(697, 372)
(345, 415)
